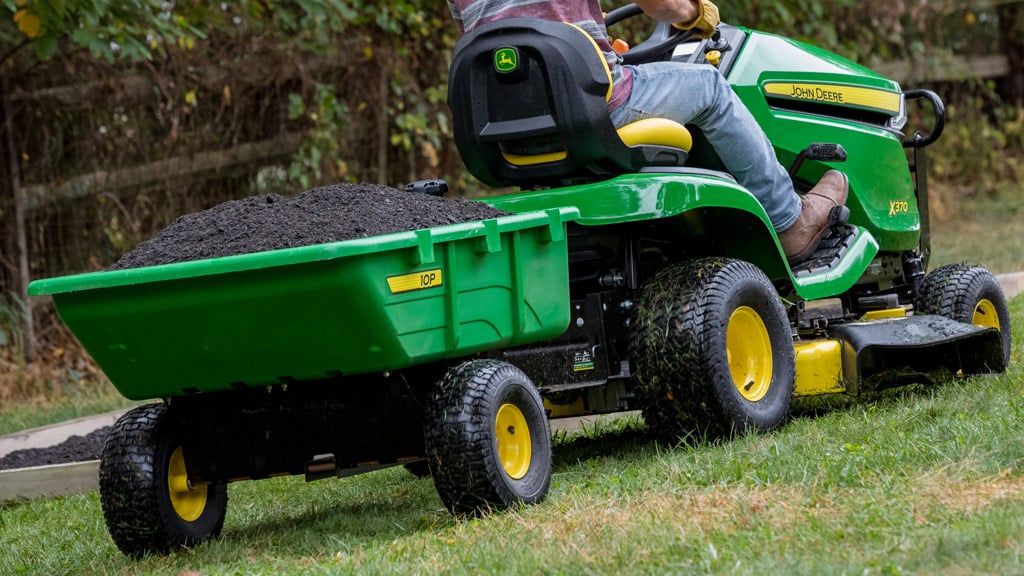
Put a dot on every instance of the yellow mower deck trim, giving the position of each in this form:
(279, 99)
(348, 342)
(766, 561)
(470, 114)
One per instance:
(884, 314)
(819, 368)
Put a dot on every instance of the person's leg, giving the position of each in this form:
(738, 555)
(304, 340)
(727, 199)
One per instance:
(699, 94)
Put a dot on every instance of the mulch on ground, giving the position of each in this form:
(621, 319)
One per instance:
(74, 449)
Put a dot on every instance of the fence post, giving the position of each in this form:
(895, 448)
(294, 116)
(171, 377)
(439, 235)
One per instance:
(1011, 42)
(23, 275)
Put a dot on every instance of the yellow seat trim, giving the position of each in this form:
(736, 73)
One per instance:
(607, 70)
(521, 160)
(647, 132)
(656, 132)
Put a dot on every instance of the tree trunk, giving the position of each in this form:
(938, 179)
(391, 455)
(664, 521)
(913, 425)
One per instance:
(383, 138)
(1011, 41)
(23, 273)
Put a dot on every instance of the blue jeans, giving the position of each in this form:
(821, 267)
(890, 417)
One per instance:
(699, 94)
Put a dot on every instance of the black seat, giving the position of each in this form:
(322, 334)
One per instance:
(529, 99)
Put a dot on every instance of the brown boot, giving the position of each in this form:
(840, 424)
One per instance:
(800, 239)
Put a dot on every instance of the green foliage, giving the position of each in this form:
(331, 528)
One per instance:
(875, 30)
(12, 315)
(806, 20)
(980, 148)
(420, 126)
(9, 319)
(320, 152)
(143, 29)
(110, 29)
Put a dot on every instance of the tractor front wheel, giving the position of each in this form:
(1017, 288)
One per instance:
(713, 351)
(487, 439)
(148, 503)
(969, 294)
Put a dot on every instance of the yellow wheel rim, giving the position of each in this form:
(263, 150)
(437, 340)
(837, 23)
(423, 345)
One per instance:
(985, 315)
(515, 450)
(750, 353)
(188, 502)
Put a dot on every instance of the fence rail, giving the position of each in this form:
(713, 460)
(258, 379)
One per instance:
(949, 69)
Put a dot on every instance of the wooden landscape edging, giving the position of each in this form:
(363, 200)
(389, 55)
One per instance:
(53, 480)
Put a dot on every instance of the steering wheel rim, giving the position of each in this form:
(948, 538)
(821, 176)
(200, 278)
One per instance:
(622, 13)
(664, 37)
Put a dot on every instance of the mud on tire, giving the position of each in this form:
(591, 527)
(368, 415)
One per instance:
(147, 505)
(487, 439)
(967, 293)
(713, 351)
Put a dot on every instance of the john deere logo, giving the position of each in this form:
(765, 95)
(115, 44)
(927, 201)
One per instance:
(506, 59)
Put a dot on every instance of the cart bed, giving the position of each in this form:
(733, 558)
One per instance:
(352, 307)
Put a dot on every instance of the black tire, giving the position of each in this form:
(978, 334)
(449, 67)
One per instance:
(142, 513)
(686, 319)
(970, 294)
(465, 440)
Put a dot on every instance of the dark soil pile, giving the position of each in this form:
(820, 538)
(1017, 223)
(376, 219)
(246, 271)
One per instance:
(74, 449)
(318, 216)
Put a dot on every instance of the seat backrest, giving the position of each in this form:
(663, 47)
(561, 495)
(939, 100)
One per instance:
(529, 98)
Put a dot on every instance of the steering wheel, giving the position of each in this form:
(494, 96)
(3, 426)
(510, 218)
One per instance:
(664, 38)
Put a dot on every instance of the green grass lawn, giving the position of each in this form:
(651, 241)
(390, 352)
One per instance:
(987, 232)
(920, 480)
(74, 403)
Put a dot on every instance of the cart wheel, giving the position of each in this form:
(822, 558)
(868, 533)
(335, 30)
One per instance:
(147, 502)
(487, 438)
(713, 351)
(967, 293)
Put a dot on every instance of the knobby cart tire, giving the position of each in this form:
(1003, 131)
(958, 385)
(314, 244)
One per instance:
(487, 439)
(147, 503)
(712, 350)
(967, 293)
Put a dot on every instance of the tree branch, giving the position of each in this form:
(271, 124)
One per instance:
(10, 53)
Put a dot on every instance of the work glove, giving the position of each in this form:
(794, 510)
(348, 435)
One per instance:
(706, 21)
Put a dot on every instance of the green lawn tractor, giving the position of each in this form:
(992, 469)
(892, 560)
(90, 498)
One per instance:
(633, 273)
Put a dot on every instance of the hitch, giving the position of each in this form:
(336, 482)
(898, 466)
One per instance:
(431, 187)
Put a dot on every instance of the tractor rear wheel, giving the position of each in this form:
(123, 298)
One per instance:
(970, 294)
(147, 501)
(487, 439)
(713, 351)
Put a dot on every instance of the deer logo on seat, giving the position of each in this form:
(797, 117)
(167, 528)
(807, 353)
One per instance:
(506, 60)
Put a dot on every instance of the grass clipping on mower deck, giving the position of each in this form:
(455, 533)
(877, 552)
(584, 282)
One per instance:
(318, 216)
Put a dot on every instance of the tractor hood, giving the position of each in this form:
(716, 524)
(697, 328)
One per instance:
(799, 77)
